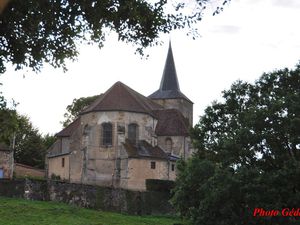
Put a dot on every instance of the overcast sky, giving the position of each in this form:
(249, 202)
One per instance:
(250, 37)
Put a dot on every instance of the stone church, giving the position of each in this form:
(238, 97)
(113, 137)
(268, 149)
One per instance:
(124, 138)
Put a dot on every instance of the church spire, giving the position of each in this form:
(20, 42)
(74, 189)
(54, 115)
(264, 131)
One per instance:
(169, 85)
(169, 80)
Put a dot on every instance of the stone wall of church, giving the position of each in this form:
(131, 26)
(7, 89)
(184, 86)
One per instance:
(59, 166)
(140, 169)
(181, 146)
(100, 163)
(185, 107)
(90, 162)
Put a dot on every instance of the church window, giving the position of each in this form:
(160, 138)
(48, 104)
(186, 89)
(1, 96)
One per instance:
(133, 133)
(173, 167)
(106, 134)
(63, 162)
(153, 165)
(169, 144)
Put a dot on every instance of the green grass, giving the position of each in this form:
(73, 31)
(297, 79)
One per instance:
(23, 212)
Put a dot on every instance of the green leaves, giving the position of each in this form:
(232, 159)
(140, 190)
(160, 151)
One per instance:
(254, 120)
(35, 32)
(251, 140)
(30, 145)
(8, 121)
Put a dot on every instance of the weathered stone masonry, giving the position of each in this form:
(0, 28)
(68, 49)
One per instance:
(124, 138)
(88, 196)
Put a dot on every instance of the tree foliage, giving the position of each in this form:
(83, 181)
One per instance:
(76, 107)
(248, 154)
(17, 132)
(35, 32)
(8, 121)
(29, 146)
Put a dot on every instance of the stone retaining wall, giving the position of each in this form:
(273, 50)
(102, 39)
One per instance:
(89, 196)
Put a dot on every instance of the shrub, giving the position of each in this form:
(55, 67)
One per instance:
(55, 177)
(159, 185)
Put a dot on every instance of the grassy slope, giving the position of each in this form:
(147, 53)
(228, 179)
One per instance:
(22, 212)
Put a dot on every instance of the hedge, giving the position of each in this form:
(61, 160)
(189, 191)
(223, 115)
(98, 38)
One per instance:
(159, 185)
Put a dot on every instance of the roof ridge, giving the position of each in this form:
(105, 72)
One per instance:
(183, 119)
(120, 97)
(135, 96)
(68, 130)
(93, 104)
(171, 122)
(145, 101)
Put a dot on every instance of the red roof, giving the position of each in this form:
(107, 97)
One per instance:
(122, 98)
(67, 132)
(171, 123)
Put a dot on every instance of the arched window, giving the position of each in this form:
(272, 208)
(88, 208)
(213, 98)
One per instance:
(106, 134)
(169, 144)
(133, 133)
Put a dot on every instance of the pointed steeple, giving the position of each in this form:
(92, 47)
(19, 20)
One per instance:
(169, 85)
(169, 80)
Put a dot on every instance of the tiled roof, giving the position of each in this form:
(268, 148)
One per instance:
(144, 150)
(67, 132)
(169, 86)
(168, 94)
(171, 123)
(122, 98)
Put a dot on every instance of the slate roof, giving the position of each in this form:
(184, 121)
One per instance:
(169, 85)
(169, 79)
(122, 98)
(144, 150)
(67, 132)
(171, 123)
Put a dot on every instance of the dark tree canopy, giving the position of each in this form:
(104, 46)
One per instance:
(18, 133)
(35, 32)
(8, 121)
(30, 146)
(248, 154)
(257, 125)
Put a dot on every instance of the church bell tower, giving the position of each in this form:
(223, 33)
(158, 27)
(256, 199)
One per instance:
(169, 95)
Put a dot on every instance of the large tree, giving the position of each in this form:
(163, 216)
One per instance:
(35, 32)
(30, 146)
(8, 121)
(18, 133)
(248, 155)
